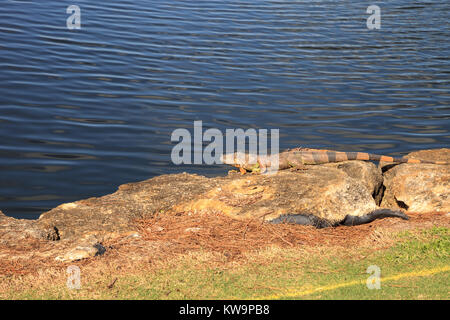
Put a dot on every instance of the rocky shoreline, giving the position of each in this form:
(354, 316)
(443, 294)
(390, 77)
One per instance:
(74, 231)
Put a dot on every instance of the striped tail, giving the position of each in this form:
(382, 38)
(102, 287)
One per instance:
(318, 157)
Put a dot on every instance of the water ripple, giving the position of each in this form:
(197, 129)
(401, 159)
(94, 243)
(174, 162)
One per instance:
(84, 111)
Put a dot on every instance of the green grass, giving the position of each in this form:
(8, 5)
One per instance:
(276, 274)
(414, 255)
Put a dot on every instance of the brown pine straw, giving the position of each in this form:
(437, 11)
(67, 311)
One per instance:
(181, 233)
(24, 266)
(219, 233)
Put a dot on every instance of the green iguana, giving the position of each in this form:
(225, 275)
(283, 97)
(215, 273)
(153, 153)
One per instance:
(299, 157)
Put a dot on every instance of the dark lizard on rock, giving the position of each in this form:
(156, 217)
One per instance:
(349, 220)
(300, 157)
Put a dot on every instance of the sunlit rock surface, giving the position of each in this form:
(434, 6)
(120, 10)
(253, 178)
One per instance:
(419, 187)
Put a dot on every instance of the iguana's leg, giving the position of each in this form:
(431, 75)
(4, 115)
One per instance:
(242, 170)
(262, 166)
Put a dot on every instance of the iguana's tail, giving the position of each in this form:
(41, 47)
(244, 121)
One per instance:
(349, 220)
(325, 156)
(300, 156)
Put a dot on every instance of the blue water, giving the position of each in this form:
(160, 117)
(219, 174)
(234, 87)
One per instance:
(83, 111)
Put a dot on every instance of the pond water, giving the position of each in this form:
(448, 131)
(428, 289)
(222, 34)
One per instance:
(83, 111)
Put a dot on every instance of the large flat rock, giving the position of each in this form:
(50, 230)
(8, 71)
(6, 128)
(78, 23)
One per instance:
(324, 191)
(330, 192)
(116, 213)
(12, 231)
